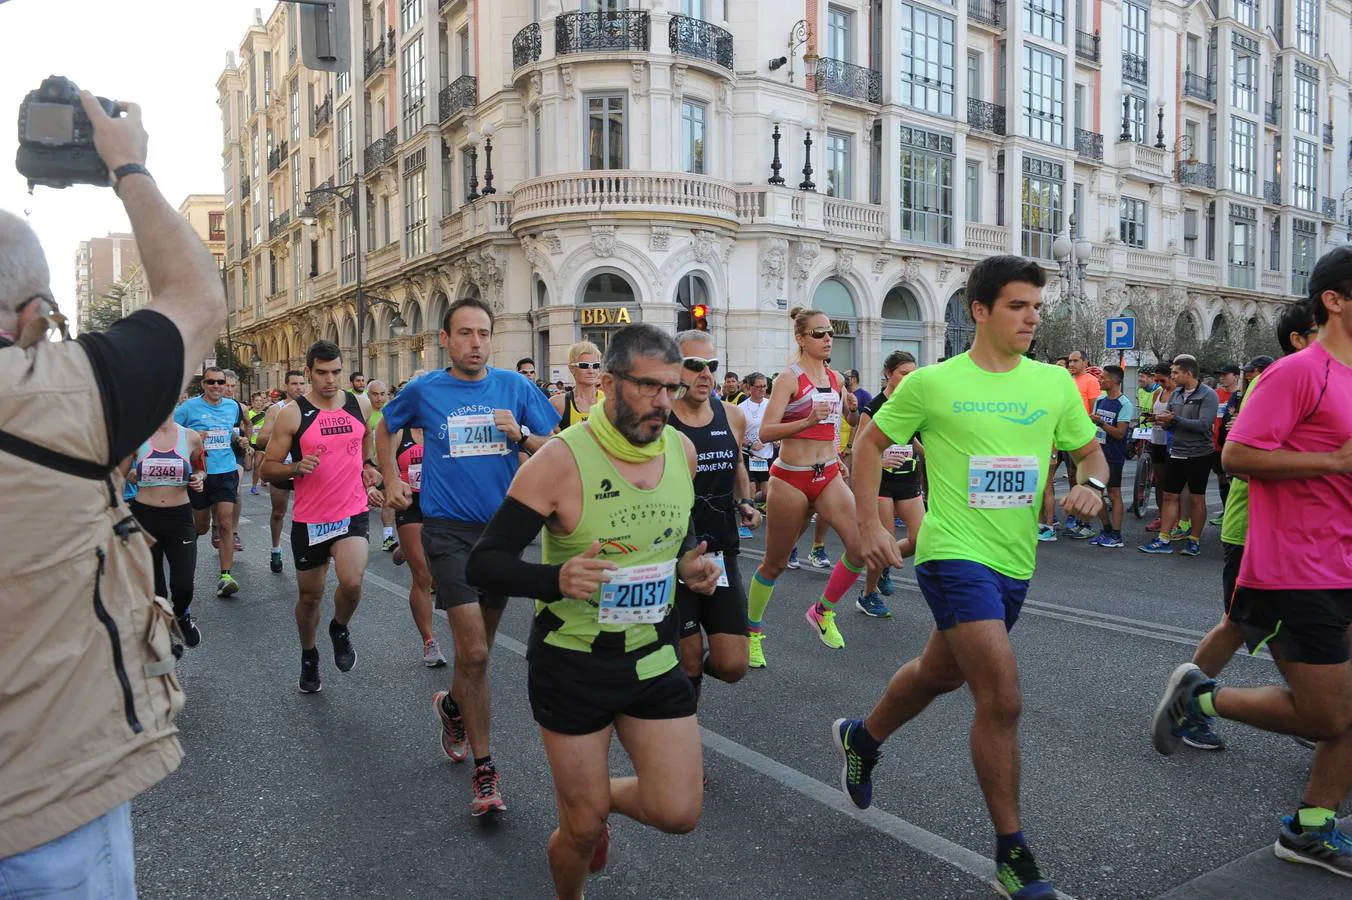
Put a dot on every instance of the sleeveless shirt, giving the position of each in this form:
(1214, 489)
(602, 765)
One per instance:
(164, 468)
(334, 490)
(800, 407)
(715, 512)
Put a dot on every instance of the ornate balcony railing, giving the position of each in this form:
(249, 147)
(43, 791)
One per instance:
(584, 32)
(591, 192)
(323, 113)
(1328, 134)
(1330, 208)
(1136, 68)
(1199, 86)
(278, 225)
(984, 116)
(987, 238)
(700, 39)
(278, 157)
(853, 217)
(1088, 144)
(459, 95)
(835, 76)
(244, 247)
(1272, 193)
(381, 150)
(1198, 174)
(526, 46)
(987, 12)
(375, 59)
(1087, 45)
(243, 187)
(1272, 112)
(326, 196)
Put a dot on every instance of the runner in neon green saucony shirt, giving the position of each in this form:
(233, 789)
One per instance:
(986, 419)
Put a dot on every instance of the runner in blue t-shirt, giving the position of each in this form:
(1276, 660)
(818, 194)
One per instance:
(1112, 414)
(475, 421)
(216, 416)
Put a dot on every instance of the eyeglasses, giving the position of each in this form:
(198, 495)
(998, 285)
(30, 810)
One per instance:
(649, 388)
(820, 333)
(699, 364)
(213, 381)
(585, 366)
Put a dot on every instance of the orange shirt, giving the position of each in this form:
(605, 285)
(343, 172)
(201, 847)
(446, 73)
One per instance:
(1089, 389)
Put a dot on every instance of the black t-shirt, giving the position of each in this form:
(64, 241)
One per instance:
(872, 408)
(138, 364)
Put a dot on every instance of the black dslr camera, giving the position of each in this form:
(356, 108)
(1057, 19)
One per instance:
(56, 138)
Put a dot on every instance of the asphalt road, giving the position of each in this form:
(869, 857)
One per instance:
(347, 793)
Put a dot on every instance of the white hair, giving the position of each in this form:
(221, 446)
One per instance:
(375, 384)
(23, 267)
(695, 336)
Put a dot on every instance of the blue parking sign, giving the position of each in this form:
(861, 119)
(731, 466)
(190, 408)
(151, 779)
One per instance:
(1120, 334)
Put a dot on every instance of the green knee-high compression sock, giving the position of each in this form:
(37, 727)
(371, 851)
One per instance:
(757, 599)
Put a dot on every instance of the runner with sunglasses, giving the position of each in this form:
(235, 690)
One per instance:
(575, 404)
(804, 414)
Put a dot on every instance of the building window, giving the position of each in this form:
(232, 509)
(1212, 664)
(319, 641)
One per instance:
(1307, 27)
(605, 132)
(1275, 245)
(1307, 105)
(1246, 13)
(973, 75)
(839, 165)
(1046, 19)
(927, 64)
(297, 268)
(415, 213)
(466, 58)
(692, 137)
(1244, 80)
(385, 220)
(692, 8)
(973, 187)
(468, 173)
(1043, 183)
(1190, 217)
(927, 186)
(347, 246)
(1302, 255)
(254, 157)
(344, 129)
(1304, 162)
(413, 78)
(216, 226)
(447, 181)
(839, 34)
(295, 113)
(1136, 43)
(537, 144)
(1243, 156)
(296, 203)
(342, 83)
(1044, 95)
(1243, 224)
(267, 77)
(1131, 222)
(410, 13)
(1137, 112)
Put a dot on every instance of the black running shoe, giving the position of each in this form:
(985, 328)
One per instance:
(309, 676)
(192, 635)
(344, 657)
(275, 562)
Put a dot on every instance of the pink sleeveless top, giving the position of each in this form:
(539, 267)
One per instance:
(334, 490)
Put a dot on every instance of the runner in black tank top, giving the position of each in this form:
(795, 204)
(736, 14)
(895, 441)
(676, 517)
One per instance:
(721, 481)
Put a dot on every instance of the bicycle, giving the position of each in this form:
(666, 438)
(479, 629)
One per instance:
(1145, 474)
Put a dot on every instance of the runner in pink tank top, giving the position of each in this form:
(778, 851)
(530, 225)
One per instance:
(334, 490)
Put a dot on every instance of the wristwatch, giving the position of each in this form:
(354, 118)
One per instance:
(129, 169)
(525, 434)
(1096, 485)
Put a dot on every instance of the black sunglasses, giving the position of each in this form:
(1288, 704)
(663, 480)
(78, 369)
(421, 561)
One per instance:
(213, 381)
(585, 366)
(699, 364)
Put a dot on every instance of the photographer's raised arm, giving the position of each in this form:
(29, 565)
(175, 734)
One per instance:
(181, 274)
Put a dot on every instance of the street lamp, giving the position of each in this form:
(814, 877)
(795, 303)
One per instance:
(256, 362)
(1159, 137)
(1125, 136)
(799, 34)
(350, 195)
(807, 183)
(1073, 258)
(777, 116)
(488, 129)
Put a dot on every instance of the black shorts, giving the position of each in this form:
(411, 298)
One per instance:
(564, 700)
(1234, 555)
(412, 515)
(899, 487)
(1191, 473)
(1300, 626)
(447, 544)
(288, 485)
(311, 556)
(222, 488)
(1115, 474)
(756, 477)
(722, 612)
(1216, 464)
(1159, 455)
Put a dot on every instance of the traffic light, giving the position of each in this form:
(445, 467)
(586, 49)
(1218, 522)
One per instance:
(699, 313)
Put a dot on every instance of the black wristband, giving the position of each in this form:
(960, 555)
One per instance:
(129, 169)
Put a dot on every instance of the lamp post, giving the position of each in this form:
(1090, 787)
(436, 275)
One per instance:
(489, 129)
(775, 164)
(1125, 136)
(799, 34)
(807, 184)
(1159, 136)
(255, 363)
(474, 137)
(350, 196)
(1073, 258)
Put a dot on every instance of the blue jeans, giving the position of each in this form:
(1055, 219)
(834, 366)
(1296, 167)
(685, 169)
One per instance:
(93, 862)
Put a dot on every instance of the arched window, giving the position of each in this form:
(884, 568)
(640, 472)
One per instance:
(834, 298)
(608, 288)
(612, 291)
(903, 325)
(959, 329)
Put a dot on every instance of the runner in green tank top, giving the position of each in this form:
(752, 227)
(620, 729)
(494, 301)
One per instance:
(614, 495)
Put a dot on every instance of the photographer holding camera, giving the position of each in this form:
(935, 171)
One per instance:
(86, 661)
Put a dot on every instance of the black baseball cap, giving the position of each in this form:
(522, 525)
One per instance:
(1333, 270)
(1258, 363)
(1231, 369)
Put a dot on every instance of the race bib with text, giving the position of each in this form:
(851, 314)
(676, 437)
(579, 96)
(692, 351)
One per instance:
(327, 531)
(637, 595)
(474, 435)
(1001, 482)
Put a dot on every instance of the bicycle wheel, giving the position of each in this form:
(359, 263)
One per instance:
(1140, 490)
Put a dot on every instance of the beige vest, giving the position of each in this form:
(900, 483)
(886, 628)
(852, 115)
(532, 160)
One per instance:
(88, 692)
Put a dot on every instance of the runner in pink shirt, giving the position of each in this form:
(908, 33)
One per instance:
(1294, 444)
(325, 432)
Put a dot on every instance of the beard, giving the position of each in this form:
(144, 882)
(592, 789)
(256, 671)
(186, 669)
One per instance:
(630, 424)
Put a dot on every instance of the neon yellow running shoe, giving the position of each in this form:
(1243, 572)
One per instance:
(824, 621)
(757, 655)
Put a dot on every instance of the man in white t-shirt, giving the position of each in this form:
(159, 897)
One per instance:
(757, 456)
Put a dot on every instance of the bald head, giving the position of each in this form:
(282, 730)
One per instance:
(23, 267)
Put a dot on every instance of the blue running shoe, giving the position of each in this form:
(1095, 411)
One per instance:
(1111, 539)
(1019, 878)
(1046, 534)
(1178, 708)
(818, 559)
(1328, 847)
(856, 770)
(897, 523)
(1096, 540)
(885, 582)
(1198, 734)
(1192, 549)
(793, 558)
(744, 533)
(1157, 546)
(872, 605)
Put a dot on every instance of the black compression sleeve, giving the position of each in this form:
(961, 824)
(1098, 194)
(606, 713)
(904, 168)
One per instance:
(691, 537)
(495, 563)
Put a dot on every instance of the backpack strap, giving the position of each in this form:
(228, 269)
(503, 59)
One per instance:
(53, 459)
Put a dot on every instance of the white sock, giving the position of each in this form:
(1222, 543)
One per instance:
(277, 548)
(389, 531)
